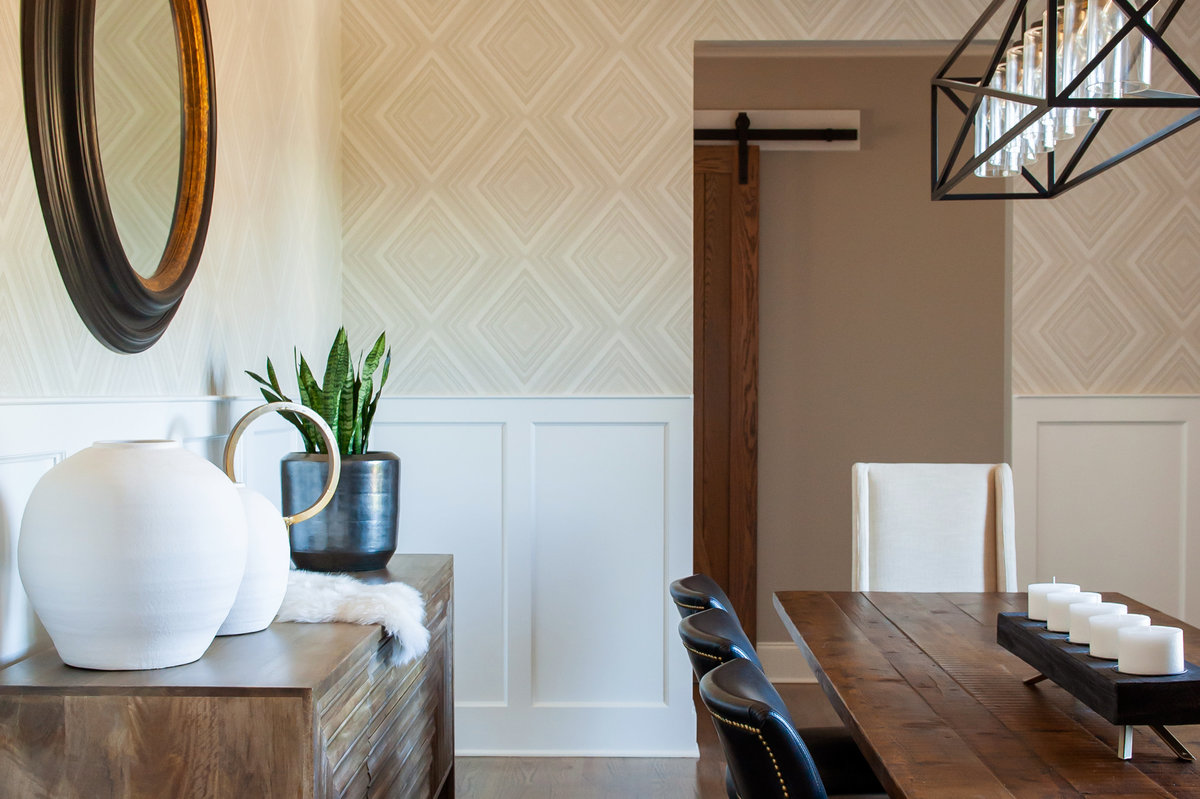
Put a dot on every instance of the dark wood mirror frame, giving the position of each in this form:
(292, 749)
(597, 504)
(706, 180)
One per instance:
(125, 311)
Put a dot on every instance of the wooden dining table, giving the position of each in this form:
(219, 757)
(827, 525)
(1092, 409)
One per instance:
(942, 712)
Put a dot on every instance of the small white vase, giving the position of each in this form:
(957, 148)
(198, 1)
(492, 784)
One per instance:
(268, 559)
(268, 551)
(131, 553)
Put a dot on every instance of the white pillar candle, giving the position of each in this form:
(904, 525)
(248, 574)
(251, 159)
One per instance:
(1150, 650)
(1058, 608)
(1038, 593)
(1104, 632)
(1081, 618)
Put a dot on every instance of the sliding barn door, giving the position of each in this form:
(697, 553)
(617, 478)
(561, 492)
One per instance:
(726, 375)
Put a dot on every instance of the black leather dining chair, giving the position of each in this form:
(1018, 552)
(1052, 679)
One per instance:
(767, 757)
(712, 637)
(699, 592)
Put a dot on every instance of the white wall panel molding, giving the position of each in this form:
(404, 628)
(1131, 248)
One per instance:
(1106, 497)
(567, 517)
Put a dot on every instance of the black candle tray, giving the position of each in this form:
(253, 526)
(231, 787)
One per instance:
(1123, 699)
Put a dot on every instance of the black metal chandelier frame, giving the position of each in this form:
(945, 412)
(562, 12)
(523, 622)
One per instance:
(945, 177)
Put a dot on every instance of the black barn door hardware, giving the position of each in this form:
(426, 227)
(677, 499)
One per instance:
(742, 134)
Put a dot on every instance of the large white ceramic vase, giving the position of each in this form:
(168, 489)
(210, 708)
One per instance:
(131, 553)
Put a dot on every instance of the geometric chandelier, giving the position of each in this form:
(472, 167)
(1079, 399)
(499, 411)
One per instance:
(1043, 99)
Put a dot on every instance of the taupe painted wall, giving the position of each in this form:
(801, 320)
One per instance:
(883, 314)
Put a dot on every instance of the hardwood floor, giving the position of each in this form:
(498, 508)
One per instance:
(624, 777)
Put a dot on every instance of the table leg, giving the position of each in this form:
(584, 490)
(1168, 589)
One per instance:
(1173, 743)
(1125, 741)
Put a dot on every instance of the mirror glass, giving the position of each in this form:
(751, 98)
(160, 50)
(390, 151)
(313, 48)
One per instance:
(138, 122)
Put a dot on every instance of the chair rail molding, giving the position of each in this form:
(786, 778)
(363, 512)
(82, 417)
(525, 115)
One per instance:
(567, 518)
(1105, 496)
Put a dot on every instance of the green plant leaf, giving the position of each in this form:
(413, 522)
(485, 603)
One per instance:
(310, 395)
(258, 379)
(294, 419)
(363, 394)
(370, 404)
(368, 417)
(387, 364)
(336, 367)
(274, 379)
(372, 362)
(346, 416)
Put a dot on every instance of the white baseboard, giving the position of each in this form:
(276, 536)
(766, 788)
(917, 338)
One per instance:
(692, 753)
(783, 662)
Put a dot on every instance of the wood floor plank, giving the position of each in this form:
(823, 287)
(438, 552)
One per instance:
(606, 778)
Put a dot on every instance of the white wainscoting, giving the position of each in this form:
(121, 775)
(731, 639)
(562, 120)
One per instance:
(1105, 495)
(567, 518)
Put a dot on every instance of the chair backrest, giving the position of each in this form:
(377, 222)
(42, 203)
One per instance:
(713, 637)
(766, 756)
(933, 527)
(699, 592)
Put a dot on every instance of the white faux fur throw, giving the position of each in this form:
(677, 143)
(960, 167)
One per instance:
(398, 607)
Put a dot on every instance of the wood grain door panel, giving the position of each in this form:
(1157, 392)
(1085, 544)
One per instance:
(726, 375)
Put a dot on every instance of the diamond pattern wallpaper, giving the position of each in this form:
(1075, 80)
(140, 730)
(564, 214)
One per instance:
(517, 201)
(270, 277)
(517, 180)
(1106, 278)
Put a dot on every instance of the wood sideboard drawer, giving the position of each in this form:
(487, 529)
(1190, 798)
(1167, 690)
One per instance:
(305, 711)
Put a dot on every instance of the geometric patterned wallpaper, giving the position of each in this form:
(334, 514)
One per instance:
(270, 277)
(1106, 278)
(517, 201)
(505, 187)
(517, 206)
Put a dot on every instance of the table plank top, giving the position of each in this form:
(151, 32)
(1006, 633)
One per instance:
(941, 712)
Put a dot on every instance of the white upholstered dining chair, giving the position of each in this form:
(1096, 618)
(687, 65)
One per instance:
(933, 527)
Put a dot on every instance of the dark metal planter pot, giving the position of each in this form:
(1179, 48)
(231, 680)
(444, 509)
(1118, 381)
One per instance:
(357, 530)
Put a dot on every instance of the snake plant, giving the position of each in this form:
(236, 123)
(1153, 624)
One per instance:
(343, 398)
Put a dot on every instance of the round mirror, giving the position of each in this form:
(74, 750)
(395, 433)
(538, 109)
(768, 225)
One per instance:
(137, 123)
(124, 271)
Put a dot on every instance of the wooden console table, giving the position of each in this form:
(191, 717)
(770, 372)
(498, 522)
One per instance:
(297, 710)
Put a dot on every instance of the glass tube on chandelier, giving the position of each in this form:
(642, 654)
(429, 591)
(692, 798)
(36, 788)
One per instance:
(1126, 69)
(1039, 136)
(1020, 151)
(1073, 51)
(987, 122)
(1062, 119)
(1003, 160)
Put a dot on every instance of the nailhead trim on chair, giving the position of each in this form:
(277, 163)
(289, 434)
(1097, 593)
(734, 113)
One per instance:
(701, 654)
(691, 607)
(758, 732)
